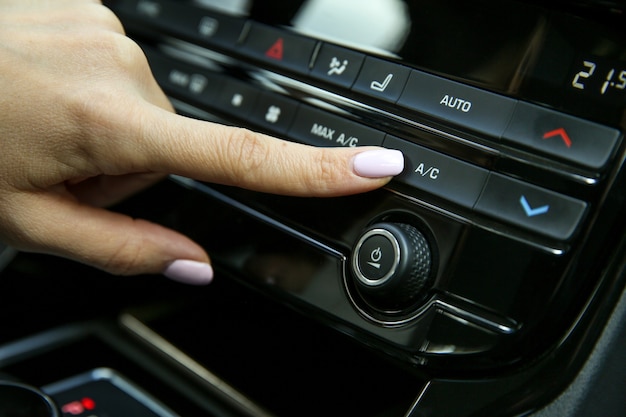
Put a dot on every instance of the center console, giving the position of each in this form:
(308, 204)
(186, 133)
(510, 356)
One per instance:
(475, 283)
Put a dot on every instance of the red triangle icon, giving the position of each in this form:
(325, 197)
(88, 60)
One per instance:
(276, 50)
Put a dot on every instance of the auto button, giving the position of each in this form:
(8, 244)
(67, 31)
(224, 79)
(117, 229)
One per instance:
(458, 103)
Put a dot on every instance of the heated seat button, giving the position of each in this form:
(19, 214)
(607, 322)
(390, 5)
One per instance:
(530, 207)
(457, 103)
(381, 79)
(563, 136)
(338, 66)
(320, 128)
(438, 174)
(279, 48)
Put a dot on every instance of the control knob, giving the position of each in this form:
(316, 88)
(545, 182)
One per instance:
(392, 267)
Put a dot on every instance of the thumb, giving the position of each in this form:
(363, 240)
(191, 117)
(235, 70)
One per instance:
(113, 242)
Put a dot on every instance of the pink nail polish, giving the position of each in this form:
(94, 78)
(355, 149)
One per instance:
(378, 163)
(189, 272)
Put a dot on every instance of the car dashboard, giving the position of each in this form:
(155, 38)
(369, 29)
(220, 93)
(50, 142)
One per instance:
(487, 279)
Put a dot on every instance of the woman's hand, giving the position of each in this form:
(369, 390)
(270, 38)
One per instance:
(83, 124)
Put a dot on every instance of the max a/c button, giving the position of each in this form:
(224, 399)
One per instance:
(530, 207)
(319, 128)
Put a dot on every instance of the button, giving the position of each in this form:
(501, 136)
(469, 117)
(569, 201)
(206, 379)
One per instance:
(438, 174)
(237, 98)
(393, 267)
(274, 112)
(279, 47)
(377, 258)
(187, 21)
(338, 66)
(184, 81)
(457, 103)
(319, 128)
(566, 137)
(381, 79)
(533, 208)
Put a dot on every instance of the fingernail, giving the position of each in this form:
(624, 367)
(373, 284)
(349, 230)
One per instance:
(189, 272)
(378, 163)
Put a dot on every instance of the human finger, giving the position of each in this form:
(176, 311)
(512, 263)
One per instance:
(166, 142)
(54, 223)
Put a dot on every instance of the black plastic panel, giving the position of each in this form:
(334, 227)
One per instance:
(511, 117)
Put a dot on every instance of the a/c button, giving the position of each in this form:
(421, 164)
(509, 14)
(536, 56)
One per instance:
(438, 174)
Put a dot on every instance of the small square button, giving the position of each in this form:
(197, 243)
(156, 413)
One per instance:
(381, 79)
(337, 65)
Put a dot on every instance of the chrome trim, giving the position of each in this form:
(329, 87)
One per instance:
(355, 257)
(476, 319)
(153, 339)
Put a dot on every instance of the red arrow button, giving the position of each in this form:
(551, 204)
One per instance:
(559, 132)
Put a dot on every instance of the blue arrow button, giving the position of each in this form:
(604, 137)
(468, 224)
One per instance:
(531, 212)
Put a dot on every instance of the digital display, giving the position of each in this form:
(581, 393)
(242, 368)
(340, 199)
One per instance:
(600, 78)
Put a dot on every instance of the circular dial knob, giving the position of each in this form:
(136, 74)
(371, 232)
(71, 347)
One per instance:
(392, 266)
(20, 400)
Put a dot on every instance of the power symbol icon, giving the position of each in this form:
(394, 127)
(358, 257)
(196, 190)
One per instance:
(375, 257)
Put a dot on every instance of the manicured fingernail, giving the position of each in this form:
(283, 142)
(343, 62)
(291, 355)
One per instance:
(378, 163)
(189, 272)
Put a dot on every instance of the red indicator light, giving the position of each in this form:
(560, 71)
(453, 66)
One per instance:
(88, 403)
(76, 408)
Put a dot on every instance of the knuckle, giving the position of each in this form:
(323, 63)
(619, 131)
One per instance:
(248, 153)
(121, 51)
(326, 167)
(94, 113)
(126, 258)
(108, 18)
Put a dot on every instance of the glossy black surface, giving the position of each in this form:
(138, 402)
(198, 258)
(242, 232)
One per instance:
(514, 149)
(538, 55)
(21, 400)
(444, 82)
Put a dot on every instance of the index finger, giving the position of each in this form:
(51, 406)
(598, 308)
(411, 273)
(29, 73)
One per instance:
(236, 156)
